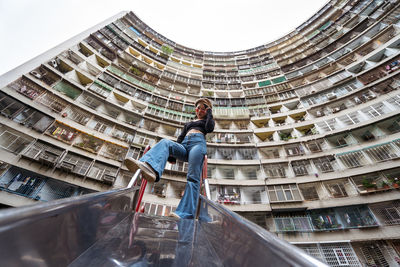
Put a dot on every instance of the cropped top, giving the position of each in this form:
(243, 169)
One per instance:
(205, 126)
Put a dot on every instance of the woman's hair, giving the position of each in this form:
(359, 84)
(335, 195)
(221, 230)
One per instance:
(204, 101)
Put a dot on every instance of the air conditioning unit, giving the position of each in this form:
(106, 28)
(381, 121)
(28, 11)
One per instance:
(53, 63)
(36, 74)
(331, 96)
(337, 109)
(109, 179)
(357, 100)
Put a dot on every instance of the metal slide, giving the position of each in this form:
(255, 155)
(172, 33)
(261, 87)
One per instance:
(102, 229)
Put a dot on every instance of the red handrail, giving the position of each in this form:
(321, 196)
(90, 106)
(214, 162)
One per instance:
(142, 185)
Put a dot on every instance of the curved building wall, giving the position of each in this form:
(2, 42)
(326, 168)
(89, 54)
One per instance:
(307, 138)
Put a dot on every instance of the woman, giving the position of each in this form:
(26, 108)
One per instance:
(190, 147)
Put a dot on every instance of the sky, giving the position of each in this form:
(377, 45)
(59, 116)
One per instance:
(31, 27)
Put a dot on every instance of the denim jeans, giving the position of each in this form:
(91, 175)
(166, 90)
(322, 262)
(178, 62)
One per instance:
(192, 149)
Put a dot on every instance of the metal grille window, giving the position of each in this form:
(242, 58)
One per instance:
(78, 115)
(301, 167)
(13, 141)
(373, 254)
(143, 140)
(294, 150)
(381, 152)
(100, 88)
(375, 110)
(100, 125)
(293, 224)
(102, 172)
(337, 188)
(315, 146)
(44, 153)
(114, 152)
(112, 112)
(350, 119)
(75, 163)
(313, 250)
(352, 159)
(123, 134)
(388, 212)
(309, 191)
(27, 88)
(325, 164)
(333, 254)
(275, 170)
(248, 154)
(89, 101)
(394, 101)
(53, 102)
(327, 126)
(284, 193)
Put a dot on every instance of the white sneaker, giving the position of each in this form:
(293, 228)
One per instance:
(174, 215)
(147, 172)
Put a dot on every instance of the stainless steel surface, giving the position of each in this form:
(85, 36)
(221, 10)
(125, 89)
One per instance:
(145, 240)
(239, 242)
(57, 232)
(102, 230)
(207, 186)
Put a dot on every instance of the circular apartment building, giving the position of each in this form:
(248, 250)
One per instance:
(307, 136)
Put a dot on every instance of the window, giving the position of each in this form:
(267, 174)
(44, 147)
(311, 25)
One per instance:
(336, 189)
(352, 159)
(53, 102)
(324, 164)
(75, 163)
(300, 167)
(100, 125)
(284, 193)
(44, 153)
(103, 172)
(309, 191)
(13, 141)
(275, 170)
(381, 152)
(78, 115)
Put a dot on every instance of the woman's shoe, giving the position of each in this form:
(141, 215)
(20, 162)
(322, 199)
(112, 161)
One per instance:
(174, 215)
(147, 172)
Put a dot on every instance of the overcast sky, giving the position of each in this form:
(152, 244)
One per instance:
(31, 27)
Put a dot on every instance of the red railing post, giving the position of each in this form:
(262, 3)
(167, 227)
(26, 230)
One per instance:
(142, 186)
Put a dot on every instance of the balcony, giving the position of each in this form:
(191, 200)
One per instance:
(44, 153)
(62, 132)
(89, 143)
(27, 88)
(12, 140)
(68, 89)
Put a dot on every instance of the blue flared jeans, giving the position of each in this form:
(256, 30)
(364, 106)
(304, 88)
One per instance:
(192, 149)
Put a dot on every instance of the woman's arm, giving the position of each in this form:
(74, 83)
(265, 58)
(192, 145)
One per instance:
(182, 135)
(210, 123)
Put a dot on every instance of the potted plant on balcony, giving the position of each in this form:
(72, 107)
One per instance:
(368, 185)
(385, 185)
(395, 182)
